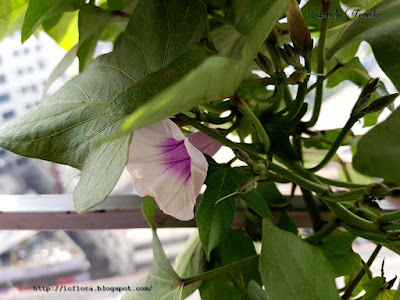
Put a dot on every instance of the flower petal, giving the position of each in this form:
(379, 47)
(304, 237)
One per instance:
(164, 164)
(204, 143)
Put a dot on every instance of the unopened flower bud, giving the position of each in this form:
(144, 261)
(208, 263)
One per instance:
(298, 30)
(380, 103)
(377, 190)
(364, 98)
(264, 63)
(290, 56)
(247, 186)
(370, 87)
(242, 155)
(260, 167)
(297, 77)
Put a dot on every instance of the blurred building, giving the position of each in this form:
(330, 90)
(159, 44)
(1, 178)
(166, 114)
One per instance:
(24, 70)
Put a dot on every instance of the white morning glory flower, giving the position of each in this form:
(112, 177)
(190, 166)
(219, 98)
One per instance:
(170, 167)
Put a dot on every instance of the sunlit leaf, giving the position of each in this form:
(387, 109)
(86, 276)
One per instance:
(63, 29)
(40, 11)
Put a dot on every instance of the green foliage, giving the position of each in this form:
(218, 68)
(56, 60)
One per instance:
(233, 285)
(149, 209)
(63, 28)
(119, 4)
(293, 269)
(313, 13)
(92, 23)
(60, 69)
(11, 16)
(68, 126)
(338, 251)
(40, 11)
(324, 139)
(216, 211)
(256, 202)
(191, 262)
(366, 4)
(216, 78)
(254, 291)
(256, 11)
(372, 30)
(213, 219)
(194, 62)
(286, 223)
(228, 41)
(377, 151)
(376, 289)
(271, 194)
(353, 71)
(162, 279)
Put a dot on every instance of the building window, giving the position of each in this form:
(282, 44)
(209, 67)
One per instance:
(2, 152)
(41, 64)
(21, 161)
(4, 97)
(9, 115)
(26, 50)
(2, 79)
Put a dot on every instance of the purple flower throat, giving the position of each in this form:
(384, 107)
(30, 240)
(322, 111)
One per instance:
(176, 159)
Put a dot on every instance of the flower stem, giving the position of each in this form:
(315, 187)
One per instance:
(313, 210)
(350, 218)
(321, 79)
(360, 275)
(324, 232)
(338, 183)
(336, 144)
(391, 227)
(262, 134)
(320, 69)
(347, 196)
(301, 93)
(298, 179)
(390, 217)
(211, 133)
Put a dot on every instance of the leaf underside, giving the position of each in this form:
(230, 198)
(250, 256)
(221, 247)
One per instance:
(68, 126)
